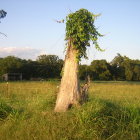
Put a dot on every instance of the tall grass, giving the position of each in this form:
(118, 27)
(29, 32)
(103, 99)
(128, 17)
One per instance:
(112, 113)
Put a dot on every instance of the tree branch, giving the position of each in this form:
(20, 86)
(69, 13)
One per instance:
(3, 34)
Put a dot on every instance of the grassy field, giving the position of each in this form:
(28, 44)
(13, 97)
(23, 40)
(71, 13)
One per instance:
(112, 112)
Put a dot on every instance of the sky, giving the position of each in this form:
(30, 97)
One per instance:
(31, 28)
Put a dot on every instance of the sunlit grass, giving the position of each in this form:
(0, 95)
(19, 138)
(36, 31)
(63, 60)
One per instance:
(112, 112)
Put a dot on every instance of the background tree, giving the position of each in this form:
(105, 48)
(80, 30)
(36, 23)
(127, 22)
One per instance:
(84, 71)
(136, 76)
(49, 66)
(118, 70)
(100, 70)
(10, 64)
(80, 31)
(29, 69)
(129, 69)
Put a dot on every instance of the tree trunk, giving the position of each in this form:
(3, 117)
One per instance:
(69, 92)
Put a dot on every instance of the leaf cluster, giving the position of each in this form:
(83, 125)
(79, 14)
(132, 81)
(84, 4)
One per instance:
(2, 14)
(80, 30)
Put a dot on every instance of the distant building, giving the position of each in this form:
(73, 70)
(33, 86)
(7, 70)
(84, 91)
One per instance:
(12, 77)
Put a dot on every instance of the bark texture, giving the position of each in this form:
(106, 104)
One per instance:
(69, 92)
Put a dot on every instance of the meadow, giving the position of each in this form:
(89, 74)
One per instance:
(111, 113)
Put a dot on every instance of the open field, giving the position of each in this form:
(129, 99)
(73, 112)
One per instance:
(112, 112)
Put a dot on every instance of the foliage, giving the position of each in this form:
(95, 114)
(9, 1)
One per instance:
(2, 14)
(46, 66)
(120, 68)
(123, 68)
(48, 59)
(112, 112)
(137, 72)
(50, 66)
(80, 30)
(10, 64)
(84, 71)
(100, 70)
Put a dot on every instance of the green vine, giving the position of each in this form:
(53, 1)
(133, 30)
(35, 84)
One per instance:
(80, 30)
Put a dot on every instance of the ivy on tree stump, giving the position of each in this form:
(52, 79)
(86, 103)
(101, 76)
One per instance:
(80, 32)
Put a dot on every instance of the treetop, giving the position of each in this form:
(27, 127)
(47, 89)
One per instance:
(80, 29)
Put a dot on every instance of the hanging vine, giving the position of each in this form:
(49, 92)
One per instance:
(81, 31)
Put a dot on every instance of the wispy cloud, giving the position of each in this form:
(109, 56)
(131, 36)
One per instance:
(21, 52)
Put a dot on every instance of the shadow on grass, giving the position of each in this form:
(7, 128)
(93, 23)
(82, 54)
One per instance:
(6, 111)
(95, 120)
(109, 120)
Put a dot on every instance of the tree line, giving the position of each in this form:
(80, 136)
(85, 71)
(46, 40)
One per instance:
(119, 69)
(50, 66)
(44, 67)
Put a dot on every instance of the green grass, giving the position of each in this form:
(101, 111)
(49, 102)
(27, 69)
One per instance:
(112, 112)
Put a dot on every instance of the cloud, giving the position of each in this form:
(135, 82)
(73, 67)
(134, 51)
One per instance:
(21, 52)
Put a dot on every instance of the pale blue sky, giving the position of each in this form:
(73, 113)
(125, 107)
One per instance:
(30, 27)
